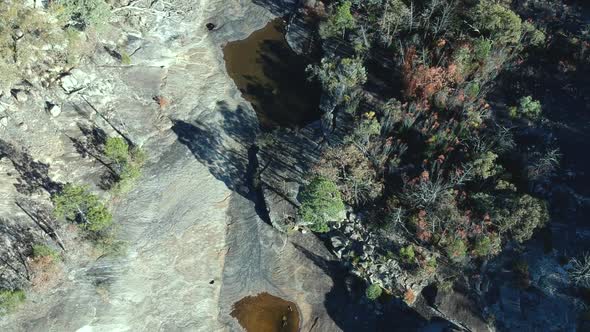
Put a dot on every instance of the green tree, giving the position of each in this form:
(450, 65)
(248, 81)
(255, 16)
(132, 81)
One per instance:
(338, 22)
(321, 204)
(373, 292)
(78, 204)
(117, 150)
(521, 216)
(497, 22)
(393, 16)
(339, 76)
(127, 161)
(485, 166)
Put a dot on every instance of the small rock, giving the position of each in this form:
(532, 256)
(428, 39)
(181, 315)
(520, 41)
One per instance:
(4, 121)
(20, 95)
(69, 83)
(23, 126)
(55, 110)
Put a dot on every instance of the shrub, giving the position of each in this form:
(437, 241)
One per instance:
(10, 299)
(485, 166)
(456, 249)
(487, 246)
(580, 271)
(407, 254)
(82, 14)
(117, 150)
(41, 250)
(482, 49)
(78, 204)
(527, 108)
(373, 292)
(128, 163)
(352, 171)
(320, 204)
(125, 58)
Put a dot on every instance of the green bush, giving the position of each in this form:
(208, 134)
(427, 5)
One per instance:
(117, 150)
(407, 254)
(472, 90)
(527, 108)
(487, 246)
(41, 250)
(339, 76)
(321, 204)
(482, 49)
(485, 166)
(128, 163)
(456, 249)
(78, 204)
(373, 292)
(10, 299)
(83, 13)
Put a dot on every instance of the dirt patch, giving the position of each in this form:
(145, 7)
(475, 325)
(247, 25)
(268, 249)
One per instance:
(266, 313)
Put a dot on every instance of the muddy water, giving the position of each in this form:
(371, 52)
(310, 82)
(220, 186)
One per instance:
(266, 313)
(272, 78)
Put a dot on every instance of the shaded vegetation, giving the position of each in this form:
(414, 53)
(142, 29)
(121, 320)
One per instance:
(78, 205)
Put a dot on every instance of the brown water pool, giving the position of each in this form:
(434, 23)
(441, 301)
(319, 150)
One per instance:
(272, 78)
(266, 313)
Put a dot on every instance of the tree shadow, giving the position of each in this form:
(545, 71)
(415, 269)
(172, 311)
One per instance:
(279, 7)
(16, 239)
(226, 161)
(346, 305)
(92, 144)
(33, 175)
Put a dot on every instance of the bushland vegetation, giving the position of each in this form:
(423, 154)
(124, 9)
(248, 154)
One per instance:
(433, 162)
(38, 44)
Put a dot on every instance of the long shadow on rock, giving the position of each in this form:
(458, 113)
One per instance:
(223, 162)
(34, 175)
(346, 305)
(215, 147)
(278, 7)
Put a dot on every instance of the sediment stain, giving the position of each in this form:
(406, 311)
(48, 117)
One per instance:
(266, 313)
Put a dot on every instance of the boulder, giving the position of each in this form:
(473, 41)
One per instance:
(20, 95)
(281, 203)
(54, 110)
